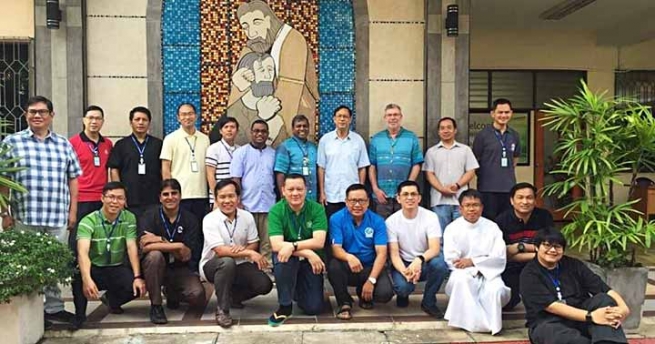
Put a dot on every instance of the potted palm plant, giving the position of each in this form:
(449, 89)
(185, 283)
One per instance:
(600, 139)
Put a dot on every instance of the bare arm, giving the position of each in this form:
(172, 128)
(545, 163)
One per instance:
(83, 246)
(133, 256)
(320, 171)
(466, 178)
(165, 169)
(413, 173)
(434, 181)
(373, 177)
(211, 177)
(394, 253)
(279, 179)
(227, 251)
(362, 175)
(114, 175)
(380, 260)
(73, 188)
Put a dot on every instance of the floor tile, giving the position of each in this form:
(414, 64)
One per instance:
(442, 336)
(346, 337)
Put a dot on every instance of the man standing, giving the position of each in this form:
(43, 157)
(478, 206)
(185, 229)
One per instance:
(475, 252)
(171, 244)
(359, 245)
(182, 155)
(230, 259)
(296, 84)
(520, 225)
(51, 171)
(342, 161)
(297, 228)
(297, 155)
(134, 161)
(449, 166)
(497, 149)
(219, 154)
(252, 168)
(415, 249)
(565, 302)
(104, 238)
(395, 157)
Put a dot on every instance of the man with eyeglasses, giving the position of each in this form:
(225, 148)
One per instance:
(104, 238)
(252, 169)
(170, 240)
(415, 249)
(475, 252)
(230, 257)
(565, 302)
(359, 248)
(51, 171)
(520, 225)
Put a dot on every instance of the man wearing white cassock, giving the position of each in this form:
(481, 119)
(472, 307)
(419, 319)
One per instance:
(475, 253)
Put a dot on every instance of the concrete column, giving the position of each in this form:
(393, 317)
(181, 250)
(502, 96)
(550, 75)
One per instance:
(155, 74)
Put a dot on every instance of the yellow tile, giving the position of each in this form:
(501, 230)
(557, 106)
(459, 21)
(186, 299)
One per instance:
(117, 97)
(396, 51)
(117, 7)
(394, 10)
(116, 46)
(409, 95)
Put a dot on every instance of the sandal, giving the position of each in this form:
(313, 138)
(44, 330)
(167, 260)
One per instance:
(365, 304)
(345, 313)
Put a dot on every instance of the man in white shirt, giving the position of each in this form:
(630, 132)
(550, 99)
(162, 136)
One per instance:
(475, 252)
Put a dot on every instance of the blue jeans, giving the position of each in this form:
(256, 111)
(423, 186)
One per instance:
(296, 280)
(446, 213)
(433, 272)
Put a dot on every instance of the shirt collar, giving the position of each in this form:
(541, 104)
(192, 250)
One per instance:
(255, 148)
(336, 136)
(400, 132)
(85, 138)
(455, 144)
(520, 220)
(31, 134)
(302, 210)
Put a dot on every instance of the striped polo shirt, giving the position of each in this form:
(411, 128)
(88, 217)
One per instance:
(219, 156)
(106, 234)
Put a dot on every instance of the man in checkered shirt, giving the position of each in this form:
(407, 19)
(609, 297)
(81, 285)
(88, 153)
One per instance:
(50, 176)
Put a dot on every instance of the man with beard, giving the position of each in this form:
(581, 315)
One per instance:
(296, 84)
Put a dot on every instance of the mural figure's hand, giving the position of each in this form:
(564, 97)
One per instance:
(275, 124)
(267, 107)
(242, 78)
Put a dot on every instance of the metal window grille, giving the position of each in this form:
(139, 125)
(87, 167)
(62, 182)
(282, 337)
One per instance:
(14, 84)
(639, 85)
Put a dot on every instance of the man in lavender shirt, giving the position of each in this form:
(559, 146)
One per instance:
(252, 167)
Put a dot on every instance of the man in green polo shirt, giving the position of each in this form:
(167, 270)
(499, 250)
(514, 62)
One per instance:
(297, 228)
(103, 239)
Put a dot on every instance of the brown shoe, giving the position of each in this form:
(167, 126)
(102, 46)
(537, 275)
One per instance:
(223, 318)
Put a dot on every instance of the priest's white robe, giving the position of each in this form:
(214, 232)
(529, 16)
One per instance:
(477, 293)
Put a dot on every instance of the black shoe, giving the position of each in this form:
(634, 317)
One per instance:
(47, 324)
(61, 316)
(402, 302)
(112, 310)
(78, 322)
(157, 315)
(223, 318)
(433, 311)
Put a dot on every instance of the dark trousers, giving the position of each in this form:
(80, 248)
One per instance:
(180, 282)
(116, 280)
(341, 277)
(557, 330)
(138, 210)
(330, 209)
(511, 277)
(295, 280)
(385, 210)
(79, 300)
(494, 204)
(197, 206)
(235, 283)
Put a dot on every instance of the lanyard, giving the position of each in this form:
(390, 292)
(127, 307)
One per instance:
(296, 226)
(170, 232)
(501, 138)
(94, 147)
(304, 150)
(192, 148)
(139, 149)
(555, 281)
(234, 228)
(229, 152)
(110, 234)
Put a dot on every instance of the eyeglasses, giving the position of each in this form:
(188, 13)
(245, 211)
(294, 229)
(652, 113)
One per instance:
(357, 201)
(94, 118)
(170, 193)
(41, 112)
(472, 205)
(548, 246)
(184, 114)
(259, 131)
(410, 194)
(114, 198)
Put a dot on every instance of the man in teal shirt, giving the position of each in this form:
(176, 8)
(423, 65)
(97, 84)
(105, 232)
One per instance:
(297, 155)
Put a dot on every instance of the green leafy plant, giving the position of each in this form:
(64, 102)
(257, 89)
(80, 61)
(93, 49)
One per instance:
(8, 166)
(30, 261)
(601, 138)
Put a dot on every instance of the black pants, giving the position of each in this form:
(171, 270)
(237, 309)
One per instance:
(511, 277)
(557, 330)
(494, 204)
(341, 277)
(116, 280)
(83, 209)
(330, 209)
(197, 206)
(138, 210)
(235, 283)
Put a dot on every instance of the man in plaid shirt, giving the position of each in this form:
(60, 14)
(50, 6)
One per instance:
(50, 176)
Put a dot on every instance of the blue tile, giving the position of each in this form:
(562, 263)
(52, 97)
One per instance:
(181, 68)
(328, 103)
(171, 102)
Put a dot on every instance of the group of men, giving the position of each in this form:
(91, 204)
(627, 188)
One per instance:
(322, 222)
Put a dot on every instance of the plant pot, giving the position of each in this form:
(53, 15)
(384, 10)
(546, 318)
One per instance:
(631, 284)
(21, 320)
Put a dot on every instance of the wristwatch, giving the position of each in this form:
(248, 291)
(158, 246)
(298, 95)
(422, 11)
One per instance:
(295, 246)
(588, 319)
(372, 280)
(420, 256)
(521, 247)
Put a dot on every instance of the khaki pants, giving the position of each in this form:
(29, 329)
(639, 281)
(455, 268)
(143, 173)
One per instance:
(261, 220)
(180, 282)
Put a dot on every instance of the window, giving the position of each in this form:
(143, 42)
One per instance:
(14, 83)
(639, 85)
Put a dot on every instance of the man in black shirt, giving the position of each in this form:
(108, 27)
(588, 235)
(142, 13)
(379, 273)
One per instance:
(565, 302)
(134, 161)
(520, 225)
(171, 244)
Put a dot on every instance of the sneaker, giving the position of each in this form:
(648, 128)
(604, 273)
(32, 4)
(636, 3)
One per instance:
(402, 302)
(157, 315)
(276, 319)
(223, 318)
(61, 316)
(433, 311)
(112, 310)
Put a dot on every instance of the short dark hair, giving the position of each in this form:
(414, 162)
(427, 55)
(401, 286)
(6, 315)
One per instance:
(355, 187)
(170, 183)
(141, 109)
(299, 118)
(225, 120)
(470, 193)
(408, 183)
(447, 119)
(551, 236)
(521, 186)
(189, 104)
(294, 176)
(226, 182)
(258, 121)
(39, 99)
(341, 107)
(501, 101)
(94, 108)
(114, 186)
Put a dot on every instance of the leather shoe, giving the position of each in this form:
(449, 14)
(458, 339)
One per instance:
(223, 318)
(157, 315)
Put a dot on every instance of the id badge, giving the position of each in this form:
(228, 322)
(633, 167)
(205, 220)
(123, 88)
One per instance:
(142, 169)
(171, 258)
(96, 161)
(504, 162)
(194, 166)
(305, 170)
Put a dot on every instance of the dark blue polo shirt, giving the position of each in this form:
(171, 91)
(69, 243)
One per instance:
(359, 241)
(488, 149)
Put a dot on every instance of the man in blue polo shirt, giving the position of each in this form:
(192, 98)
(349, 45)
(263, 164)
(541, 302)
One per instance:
(395, 157)
(359, 248)
(297, 155)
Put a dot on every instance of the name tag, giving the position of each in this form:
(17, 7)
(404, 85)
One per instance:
(194, 166)
(305, 170)
(96, 161)
(504, 162)
(142, 169)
